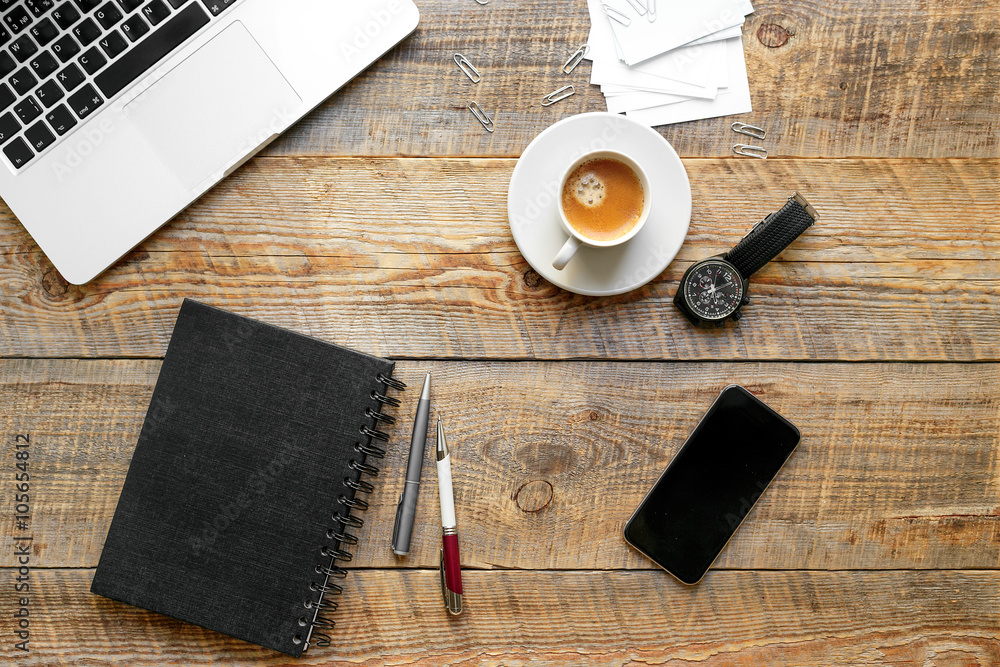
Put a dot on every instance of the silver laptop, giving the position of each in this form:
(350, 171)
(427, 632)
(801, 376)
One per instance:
(117, 114)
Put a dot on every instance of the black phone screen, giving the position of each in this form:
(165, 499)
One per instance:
(711, 484)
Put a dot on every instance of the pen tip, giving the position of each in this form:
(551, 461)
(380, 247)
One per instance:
(442, 444)
(425, 393)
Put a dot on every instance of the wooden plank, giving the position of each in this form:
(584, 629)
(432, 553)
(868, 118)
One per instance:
(899, 466)
(869, 78)
(559, 618)
(414, 258)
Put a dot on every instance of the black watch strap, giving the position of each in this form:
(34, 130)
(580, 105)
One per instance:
(772, 235)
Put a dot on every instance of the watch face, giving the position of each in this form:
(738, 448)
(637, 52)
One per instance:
(713, 289)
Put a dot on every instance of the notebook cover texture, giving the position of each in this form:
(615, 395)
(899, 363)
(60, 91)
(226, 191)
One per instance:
(236, 473)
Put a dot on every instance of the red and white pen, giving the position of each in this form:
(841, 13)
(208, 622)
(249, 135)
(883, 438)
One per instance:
(451, 565)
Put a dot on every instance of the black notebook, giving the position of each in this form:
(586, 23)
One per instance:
(239, 505)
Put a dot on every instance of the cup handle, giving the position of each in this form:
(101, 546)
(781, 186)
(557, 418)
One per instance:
(566, 253)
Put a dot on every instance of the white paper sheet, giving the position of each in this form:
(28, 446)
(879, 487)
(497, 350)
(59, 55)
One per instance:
(641, 100)
(618, 89)
(735, 31)
(733, 100)
(702, 66)
(676, 25)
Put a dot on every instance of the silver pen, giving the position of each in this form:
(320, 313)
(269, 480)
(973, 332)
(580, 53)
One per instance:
(407, 507)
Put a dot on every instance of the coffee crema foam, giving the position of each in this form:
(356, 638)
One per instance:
(587, 188)
(603, 199)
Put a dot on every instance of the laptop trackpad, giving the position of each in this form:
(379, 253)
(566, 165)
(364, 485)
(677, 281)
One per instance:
(218, 105)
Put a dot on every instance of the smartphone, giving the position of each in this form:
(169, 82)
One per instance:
(711, 485)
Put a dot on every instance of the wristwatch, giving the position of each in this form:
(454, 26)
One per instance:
(715, 289)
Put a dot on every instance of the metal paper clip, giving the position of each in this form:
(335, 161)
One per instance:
(639, 8)
(558, 95)
(749, 130)
(616, 15)
(468, 68)
(651, 10)
(750, 151)
(575, 59)
(481, 116)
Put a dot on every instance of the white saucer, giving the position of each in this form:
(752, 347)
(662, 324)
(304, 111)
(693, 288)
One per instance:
(533, 197)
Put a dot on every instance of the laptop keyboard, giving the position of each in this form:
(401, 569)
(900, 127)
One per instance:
(61, 60)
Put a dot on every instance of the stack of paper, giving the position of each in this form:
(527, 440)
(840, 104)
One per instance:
(683, 61)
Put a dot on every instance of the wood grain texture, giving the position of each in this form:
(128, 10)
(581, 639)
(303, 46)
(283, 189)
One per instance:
(415, 258)
(562, 618)
(868, 78)
(899, 466)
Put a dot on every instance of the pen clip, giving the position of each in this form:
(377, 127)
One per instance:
(395, 525)
(444, 586)
(452, 600)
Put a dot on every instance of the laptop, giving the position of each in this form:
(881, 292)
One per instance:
(115, 115)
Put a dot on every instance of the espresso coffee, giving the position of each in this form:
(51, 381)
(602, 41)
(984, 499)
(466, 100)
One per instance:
(603, 199)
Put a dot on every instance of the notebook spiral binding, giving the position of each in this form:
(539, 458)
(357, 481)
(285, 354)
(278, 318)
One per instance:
(320, 602)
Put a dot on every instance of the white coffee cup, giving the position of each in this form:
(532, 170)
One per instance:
(576, 239)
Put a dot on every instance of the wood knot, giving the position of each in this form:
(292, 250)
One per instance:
(594, 415)
(772, 35)
(54, 284)
(533, 496)
(531, 279)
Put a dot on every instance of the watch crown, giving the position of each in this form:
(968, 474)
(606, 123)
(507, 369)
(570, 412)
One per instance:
(745, 300)
(736, 316)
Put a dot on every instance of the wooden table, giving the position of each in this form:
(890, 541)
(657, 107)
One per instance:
(379, 222)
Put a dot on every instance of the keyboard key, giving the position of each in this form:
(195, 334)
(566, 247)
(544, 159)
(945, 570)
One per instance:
(92, 60)
(18, 153)
(61, 120)
(39, 7)
(7, 96)
(86, 5)
(129, 5)
(18, 19)
(87, 32)
(44, 65)
(135, 27)
(218, 6)
(84, 101)
(70, 77)
(39, 136)
(108, 15)
(49, 93)
(28, 110)
(113, 43)
(176, 3)
(4, 35)
(7, 4)
(23, 48)
(65, 15)
(8, 127)
(155, 11)
(7, 64)
(44, 32)
(23, 81)
(151, 50)
(66, 48)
